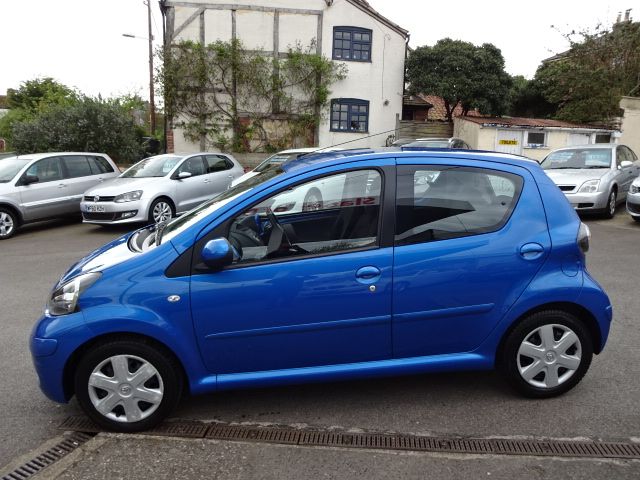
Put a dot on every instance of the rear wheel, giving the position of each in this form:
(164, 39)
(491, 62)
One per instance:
(8, 223)
(637, 219)
(312, 201)
(128, 385)
(547, 354)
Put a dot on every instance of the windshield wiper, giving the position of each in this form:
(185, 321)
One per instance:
(159, 230)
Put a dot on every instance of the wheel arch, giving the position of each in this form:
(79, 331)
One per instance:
(74, 358)
(162, 196)
(582, 314)
(15, 210)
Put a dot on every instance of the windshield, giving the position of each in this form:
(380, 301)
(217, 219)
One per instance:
(578, 158)
(277, 159)
(183, 222)
(152, 167)
(9, 168)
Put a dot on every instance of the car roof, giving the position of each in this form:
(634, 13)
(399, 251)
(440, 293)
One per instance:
(38, 156)
(598, 146)
(346, 156)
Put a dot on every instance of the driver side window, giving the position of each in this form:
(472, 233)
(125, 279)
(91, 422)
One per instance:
(331, 214)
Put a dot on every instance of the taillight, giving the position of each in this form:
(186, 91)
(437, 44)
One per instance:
(584, 237)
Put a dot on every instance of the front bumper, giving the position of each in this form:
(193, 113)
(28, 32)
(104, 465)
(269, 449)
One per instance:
(52, 342)
(112, 213)
(588, 201)
(633, 204)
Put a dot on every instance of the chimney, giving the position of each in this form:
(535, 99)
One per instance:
(619, 17)
(627, 15)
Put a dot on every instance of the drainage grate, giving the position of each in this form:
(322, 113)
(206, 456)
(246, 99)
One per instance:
(49, 457)
(386, 441)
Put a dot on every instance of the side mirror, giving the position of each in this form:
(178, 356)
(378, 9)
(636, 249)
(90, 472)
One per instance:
(217, 253)
(626, 163)
(183, 175)
(29, 179)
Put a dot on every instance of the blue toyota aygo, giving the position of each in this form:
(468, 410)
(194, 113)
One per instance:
(331, 267)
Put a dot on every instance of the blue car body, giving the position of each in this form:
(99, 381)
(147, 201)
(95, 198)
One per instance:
(394, 309)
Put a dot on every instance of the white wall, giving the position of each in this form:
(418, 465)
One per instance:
(631, 123)
(379, 81)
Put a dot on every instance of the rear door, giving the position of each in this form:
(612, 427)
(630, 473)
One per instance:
(468, 241)
(219, 173)
(79, 178)
(47, 197)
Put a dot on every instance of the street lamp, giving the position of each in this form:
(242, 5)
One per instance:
(152, 106)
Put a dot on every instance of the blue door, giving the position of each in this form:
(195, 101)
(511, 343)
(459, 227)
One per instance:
(468, 241)
(312, 284)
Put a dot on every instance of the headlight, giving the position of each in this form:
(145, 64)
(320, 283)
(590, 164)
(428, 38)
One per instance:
(635, 188)
(128, 197)
(589, 186)
(64, 299)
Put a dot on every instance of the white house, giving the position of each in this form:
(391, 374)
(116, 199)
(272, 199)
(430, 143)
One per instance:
(349, 31)
(531, 137)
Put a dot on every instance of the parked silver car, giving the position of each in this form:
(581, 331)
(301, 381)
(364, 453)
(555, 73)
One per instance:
(593, 177)
(633, 200)
(159, 188)
(47, 185)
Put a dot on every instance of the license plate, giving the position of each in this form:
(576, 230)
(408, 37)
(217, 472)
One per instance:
(95, 208)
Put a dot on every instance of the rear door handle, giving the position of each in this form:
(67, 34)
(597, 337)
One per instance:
(531, 251)
(368, 274)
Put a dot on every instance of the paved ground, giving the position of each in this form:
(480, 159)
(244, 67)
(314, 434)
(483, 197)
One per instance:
(605, 405)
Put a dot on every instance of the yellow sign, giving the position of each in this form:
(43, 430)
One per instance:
(508, 142)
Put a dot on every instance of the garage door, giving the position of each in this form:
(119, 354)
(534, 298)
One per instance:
(509, 141)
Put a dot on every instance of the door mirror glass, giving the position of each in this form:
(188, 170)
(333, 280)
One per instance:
(29, 179)
(183, 175)
(217, 253)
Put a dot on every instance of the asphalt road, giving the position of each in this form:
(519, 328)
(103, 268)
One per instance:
(604, 405)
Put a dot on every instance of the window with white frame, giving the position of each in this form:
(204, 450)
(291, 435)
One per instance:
(536, 139)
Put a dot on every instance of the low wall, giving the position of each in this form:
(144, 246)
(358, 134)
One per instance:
(250, 160)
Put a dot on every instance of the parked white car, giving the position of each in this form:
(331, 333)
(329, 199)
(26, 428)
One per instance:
(40, 186)
(159, 188)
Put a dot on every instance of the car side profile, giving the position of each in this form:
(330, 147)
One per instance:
(158, 188)
(41, 186)
(422, 262)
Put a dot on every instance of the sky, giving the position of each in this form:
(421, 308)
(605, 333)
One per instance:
(80, 42)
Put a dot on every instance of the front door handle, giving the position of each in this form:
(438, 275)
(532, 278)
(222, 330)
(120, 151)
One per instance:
(61, 185)
(368, 275)
(531, 251)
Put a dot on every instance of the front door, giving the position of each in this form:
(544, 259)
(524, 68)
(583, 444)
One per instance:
(49, 196)
(468, 242)
(193, 190)
(308, 288)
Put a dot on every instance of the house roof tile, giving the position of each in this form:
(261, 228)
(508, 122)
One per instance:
(529, 122)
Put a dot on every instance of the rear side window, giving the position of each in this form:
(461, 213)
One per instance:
(218, 163)
(77, 166)
(99, 165)
(439, 203)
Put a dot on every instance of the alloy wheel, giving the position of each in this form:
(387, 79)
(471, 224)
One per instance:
(7, 224)
(125, 388)
(312, 202)
(161, 212)
(549, 356)
(612, 204)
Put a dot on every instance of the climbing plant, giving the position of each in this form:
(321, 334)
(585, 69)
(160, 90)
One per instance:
(223, 94)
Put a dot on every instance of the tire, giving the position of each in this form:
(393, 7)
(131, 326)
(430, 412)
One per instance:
(610, 209)
(161, 210)
(312, 201)
(636, 219)
(8, 223)
(127, 385)
(547, 354)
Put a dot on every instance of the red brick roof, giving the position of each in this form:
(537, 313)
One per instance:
(438, 112)
(529, 122)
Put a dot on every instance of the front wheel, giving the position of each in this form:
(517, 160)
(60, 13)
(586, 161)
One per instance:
(547, 354)
(127, 385)
(610, 210)
(8, 223)
(161, 210)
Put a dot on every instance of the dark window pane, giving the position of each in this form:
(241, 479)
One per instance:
(356, 55)
(99, 165)
(77, 166)
(47, 170)
(365, 55)
(346, 44)
(536, 138)
(337, 44)
(357, 37)
(338, 35)
(366, 37)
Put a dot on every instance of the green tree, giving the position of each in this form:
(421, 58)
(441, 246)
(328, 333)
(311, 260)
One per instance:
(222, 87)
(526, 99)
(588, 80)
(462, 74)
(32, 98)
(89, 124)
